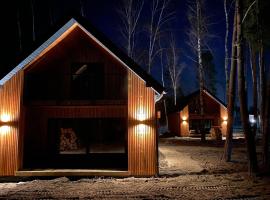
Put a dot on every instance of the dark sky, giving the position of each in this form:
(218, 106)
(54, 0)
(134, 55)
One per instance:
(103, 14)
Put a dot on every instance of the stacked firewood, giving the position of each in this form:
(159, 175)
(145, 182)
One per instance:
(68, 140)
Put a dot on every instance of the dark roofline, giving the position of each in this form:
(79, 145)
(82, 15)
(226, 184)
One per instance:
(150, 81)
(189, 97)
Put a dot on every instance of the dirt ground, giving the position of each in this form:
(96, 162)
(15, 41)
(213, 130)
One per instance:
(187, 171)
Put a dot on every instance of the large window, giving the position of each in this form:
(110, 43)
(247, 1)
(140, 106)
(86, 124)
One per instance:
(87, 81)
(196, 123)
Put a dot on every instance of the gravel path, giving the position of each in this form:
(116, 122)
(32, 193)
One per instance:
(187, 172)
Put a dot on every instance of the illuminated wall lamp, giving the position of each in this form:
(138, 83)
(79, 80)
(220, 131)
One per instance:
(184, 120)
(225, 120)
(141, 116)
(5, 123)
(141, 128)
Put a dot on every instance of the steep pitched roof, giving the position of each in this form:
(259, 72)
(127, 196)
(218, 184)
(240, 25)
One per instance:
(98, 37)
(184, 102)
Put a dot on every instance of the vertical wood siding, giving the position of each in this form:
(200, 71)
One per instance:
(142, 145)
(10, 95)
(174, 123)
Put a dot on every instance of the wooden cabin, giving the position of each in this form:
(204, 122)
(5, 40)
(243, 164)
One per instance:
(186, 119)
(78, 106)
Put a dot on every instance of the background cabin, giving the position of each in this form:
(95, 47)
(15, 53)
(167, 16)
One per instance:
(77, 102)
(185, 120)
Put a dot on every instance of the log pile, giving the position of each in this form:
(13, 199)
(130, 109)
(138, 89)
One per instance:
(68, 140)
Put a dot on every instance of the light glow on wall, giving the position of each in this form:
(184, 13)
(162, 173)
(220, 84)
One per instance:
(141, 115)
(184, 118)
(141, 129)
(5, 117)
(184, 123)
(225, 120)
(4, 129)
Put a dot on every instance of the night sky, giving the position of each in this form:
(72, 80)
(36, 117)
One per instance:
(103, 14)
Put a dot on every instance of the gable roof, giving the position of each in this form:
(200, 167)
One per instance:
(99, 38)
(185, 101)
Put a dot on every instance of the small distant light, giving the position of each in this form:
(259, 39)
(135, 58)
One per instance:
(252, 119)
(184, 118)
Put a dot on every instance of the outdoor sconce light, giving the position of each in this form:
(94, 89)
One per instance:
(225, 120)
(184, 120)
(5, 118)
(158, 114)
(5, 123)
(141, 129)
(141, 116)
(4, 129)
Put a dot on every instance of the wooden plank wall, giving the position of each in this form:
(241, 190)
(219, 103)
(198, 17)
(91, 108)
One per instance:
(142, 144)
(174, 123)
(10, 95)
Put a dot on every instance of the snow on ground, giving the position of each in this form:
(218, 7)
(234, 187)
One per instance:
(187, 172)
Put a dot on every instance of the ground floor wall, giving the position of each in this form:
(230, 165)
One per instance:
(141, 120)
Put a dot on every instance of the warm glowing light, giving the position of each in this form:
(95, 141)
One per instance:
(4, 129)
(184, 118)
(5, 118)
(184, 123)
(225, 118)
(141, 116)
(141, 129)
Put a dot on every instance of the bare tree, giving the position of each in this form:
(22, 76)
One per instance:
(159, 17)
(130, 14)
(198, 36)
(174, 67)
(250, 140)
(231, 96)
(82, 8)
(163, 82)
(33, 20)
(253, 66)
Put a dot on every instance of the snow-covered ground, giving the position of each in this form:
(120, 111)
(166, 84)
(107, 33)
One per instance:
(187, 172)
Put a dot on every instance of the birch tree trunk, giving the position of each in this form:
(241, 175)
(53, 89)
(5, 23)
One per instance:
(174, 68)
(130, 14)
(266, 156)
(226, 49)
(82, 8)
(252, 54)
(231, 97)
(158, 18)
(251, 148)
(200, 64)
